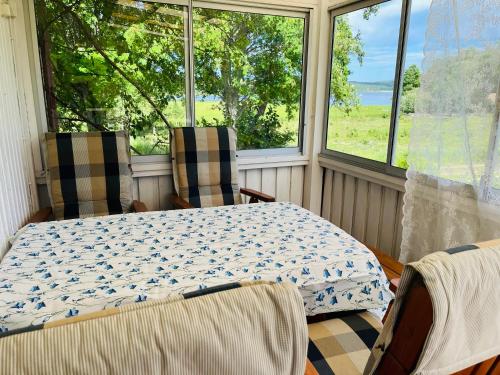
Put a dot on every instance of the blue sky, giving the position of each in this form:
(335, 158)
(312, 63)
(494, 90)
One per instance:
(380, 38)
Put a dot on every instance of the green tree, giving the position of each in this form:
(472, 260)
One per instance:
(347, 45)
(109, 65)
(411, 78)
(253, 64)
(411, 83)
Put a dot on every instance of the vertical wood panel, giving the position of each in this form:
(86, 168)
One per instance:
(338, 198)
(297, 185)
(361, 210)
(388, 220)
(373, 219)
(372, 213)
(348, 204)
(269, 181)
(148, 192)
(242, 180)
(327, 194)
(283, 184)
(17, 180)
(253, 180)
(399, 227)
(135, 189)
(165, 189)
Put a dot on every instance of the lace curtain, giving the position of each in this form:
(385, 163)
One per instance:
(453, 183)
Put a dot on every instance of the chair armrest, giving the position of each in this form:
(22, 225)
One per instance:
(178, 202)
(138, 206)
(256, 196)
(392, 268)
(394, 284)
(44, 214)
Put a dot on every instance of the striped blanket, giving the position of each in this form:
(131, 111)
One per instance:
(253, 328)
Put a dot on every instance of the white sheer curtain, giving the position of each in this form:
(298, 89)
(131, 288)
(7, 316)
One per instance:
(453, 186)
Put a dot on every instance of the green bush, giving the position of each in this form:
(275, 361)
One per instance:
(408, 101)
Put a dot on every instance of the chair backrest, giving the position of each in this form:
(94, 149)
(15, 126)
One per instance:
(230, 329)
(410, 332)
(88, 174)
(204, 165)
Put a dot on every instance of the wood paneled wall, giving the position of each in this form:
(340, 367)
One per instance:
(284, 183)
(17, 200)
(369, 211)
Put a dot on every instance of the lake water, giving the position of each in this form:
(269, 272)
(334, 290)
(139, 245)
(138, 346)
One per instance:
(375, 97)
(365, 97)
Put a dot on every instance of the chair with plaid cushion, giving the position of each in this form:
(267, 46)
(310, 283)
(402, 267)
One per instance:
(205, 168)
(88, 174)
(350, 343)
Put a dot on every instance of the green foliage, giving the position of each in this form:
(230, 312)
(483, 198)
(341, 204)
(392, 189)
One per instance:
(411, 78)
(111, 65)
(408, 101)
(370, 11)
(253, 63)
(365, 132)
(461, 79)
(256, 131)
(411, 83)
(346, 45)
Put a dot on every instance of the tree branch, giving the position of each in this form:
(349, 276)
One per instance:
(88, 34)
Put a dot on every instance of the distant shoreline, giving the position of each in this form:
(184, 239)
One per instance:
(366, 97)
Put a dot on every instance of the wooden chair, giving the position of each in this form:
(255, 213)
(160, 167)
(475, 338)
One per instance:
(88, 174)
(205, 168)
(410, 332)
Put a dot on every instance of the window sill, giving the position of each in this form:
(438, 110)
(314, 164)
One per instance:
(396, 183)
(160, 165)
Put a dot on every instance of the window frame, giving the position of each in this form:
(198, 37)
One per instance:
(271, 11)
(228, 5)
(386, 167)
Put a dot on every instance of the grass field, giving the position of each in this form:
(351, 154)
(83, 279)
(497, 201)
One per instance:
(364, 132)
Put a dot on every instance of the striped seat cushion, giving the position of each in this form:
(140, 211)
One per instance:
(342, 345)
(88, 174)
(204, 163)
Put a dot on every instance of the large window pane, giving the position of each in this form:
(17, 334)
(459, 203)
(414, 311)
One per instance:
(362, 80)
(111, 65)
(248, 73)
(411, 79)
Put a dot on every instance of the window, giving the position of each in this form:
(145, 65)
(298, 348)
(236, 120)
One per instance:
(141, 66)
(248, 74)
(362, 81)
(372, 90)
(411, 79)
(109, 65)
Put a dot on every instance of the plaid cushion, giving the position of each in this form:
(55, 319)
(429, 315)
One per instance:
(204, 164)
(88, 174)
(342, 345)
